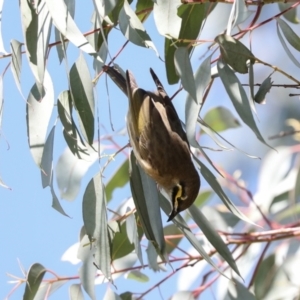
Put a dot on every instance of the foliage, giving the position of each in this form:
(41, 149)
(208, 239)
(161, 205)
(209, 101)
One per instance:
(220, 233)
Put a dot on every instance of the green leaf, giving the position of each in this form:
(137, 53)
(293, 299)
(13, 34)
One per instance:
(70, 171)
(236, 290)
(135, 234)
(192, 17)
(144, 6)
(118, 179)
(120, 244)
(169, 61)
(145, 196)
(260, 96)
(110, 295)
(220, 119)
(289, 34)
(133, 29)
(213, 237)
(87, 271)
(238, 97)
(184, 228)
(39, 112)
(46, 289)
(290, 15)
(234, 53)
(64, 22)
(202, 79)
(264, 278)
(286, 49)
(16, 62)
(167, 22)
(83, 97)
(126, 296)
(212, 181)
(47, 159)
(34, 278)
(184, 70)
(75, 292)
(137, 276)
(36, 44)
(95, 222)
(172, 243)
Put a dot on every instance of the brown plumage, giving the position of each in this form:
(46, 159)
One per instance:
(160, 144)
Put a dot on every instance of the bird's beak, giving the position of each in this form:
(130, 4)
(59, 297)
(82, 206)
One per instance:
(172, 215)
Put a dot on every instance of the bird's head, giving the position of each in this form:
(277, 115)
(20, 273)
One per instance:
(184, 193)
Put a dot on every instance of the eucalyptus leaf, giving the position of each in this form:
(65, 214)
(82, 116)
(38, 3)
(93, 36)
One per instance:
(238, 97)
(234, 53)
(83, 97)
(133, 29)
(33, 281)
(146, 199)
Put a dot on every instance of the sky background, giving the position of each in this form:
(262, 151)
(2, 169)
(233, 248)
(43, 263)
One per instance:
(31, 230)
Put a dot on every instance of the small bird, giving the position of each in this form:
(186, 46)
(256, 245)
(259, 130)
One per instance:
(159, 141)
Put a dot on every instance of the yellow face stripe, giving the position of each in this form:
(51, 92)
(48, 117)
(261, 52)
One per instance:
(179, 196)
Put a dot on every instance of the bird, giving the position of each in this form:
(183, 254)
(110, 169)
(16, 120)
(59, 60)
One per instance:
(158, 140)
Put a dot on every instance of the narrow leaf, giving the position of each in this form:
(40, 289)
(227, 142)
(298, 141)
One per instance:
(75, 292)
(185, 72)
(133, 29)
(260, 96)
(213, 237)
(212, 181)
(83, 96)
(47, 159)
(202, 79)
(64, 22)
(34, 278)
(287, 50)
(238, 97)
(145, 196)
(118, 179)
(137, 276)
(39, 111)
(220, 118)
(234, 53)
(16, 63)
(95, 222)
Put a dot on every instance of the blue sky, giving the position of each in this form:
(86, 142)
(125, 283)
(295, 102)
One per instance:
(31, 230)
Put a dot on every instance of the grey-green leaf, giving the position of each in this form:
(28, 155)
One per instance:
(137, 275)
(220, 118)
(212, 181)
(260, 96)
(234, 53)
(202, 79)
(286, 48)
(213, 237)
(39, 111)
(75, 292)
(16, 62)
(47, 159)
(238, 97)
(185, 72)
(133, 29)
(64, 22)
(146, 199)
(118, 179)
(34, 278)
(95, 222)
(289, 34)
(236, 290)
(83, 96)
